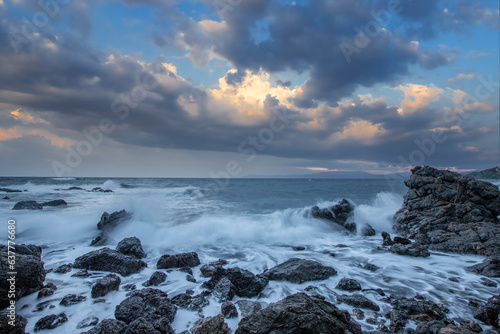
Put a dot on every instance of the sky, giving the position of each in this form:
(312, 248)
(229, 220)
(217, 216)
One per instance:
(231, 88)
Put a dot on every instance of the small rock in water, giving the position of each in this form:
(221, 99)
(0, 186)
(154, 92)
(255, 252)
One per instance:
(106, 259)
(6, 197)
(48, 290)
(359, 314)
(82, 273)
(367, 231)
(129, 287)
(454, 279)
(414, 249)
(51, 321)
(358, 301)
(299, 271)
(298, 248)
(57, 202)
(65, 268)
(27, 205)
(348, 284)
(224, 290)
(488, 282)
(190, 278)
(387, 241)
(186, 270)
(132, 247)
(98, 301)
(208, 270)
(403, 241)
(248, 307)
(72, 299)
(228, 310)
(211, 325)
(371, 267)
(109, 326)
(105, 285)
(156, 279)
(87, 322)
(178, 261)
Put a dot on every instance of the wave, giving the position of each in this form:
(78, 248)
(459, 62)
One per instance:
(64, 178)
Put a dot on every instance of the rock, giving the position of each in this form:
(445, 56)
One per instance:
(107, 223)
(87, 322)
(403, 241)
(6, 326)
(387, 241)
(299, 271)
(7, 190)
(108, 326)
(82, 273)
(129, 287)
(151, 306)
(490, 312)
(208, 270)
(105, 285)
(357, 300)
(30, 272)
(490, 267)
(339, 214)
(192, 303)
(488, 282)
(359, 314)
(51, 321)
(178, 261)
(98, 301)
(190, 278)
(348, 284)
(106, 259)
(63, 269)
(487, 174)
(371, 267)
(367, 231)
(100, 190)
(211, 325)
(450, 212)
(48, 290)
(414, 249)
(224, 290)
(156, 279)
(6, 197)
(27, 205)
(186, 270)
(447, 327)
(57, 202)
(403, 308)
(72, 299)
(228, 310)
(299, 313)
(298, 248)
(248, 307)
(132, 247)
(74, 188)
(99, 241)
(244, 282)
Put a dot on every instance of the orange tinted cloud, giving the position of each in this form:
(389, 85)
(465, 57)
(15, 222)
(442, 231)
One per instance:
(418, 96)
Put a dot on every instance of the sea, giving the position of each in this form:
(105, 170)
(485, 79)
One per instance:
(254, 224)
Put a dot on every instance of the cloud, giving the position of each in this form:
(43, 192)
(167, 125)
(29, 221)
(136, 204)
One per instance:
(461, 77)
(418, 97)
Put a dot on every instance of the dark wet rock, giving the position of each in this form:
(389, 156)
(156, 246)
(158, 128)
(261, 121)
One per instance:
(151, 306)
(99, 241)
(63, 269)
(51, 321)
(367, 230)
(228, 310)
(87, 322)
(489, 313)
(244, 282)
(178, 261)
(447, 327)
(156, 279)
(190, 278)
(48, 290)
(488, 282)
(211, 325)
(57, 202)
(371, 267)
(298, 248)
(100, 190)
(339, 214)
(378, 291)
(72, 299)
(414, 249)
(248, 307)
(299, 271)
(208, 270)
(12, 324)
(142, 326)
(6, 197)
(132, 247)
(454, 279)
(106, 259)
(357, 300)
(192, 303)
(107, 223)
(27, 205)
(386, 239)
(108, 326)
(7, 190)
(74, 188)
(403, 241)
(187, 270)
(30, 272)
(98, 301)
(299, 313)
(358, 313)
(82, 273)
(129, 287)
(450, 212)
(403, 308)
(348, 284)
(224, 290)
(490, 267)
(105, 285)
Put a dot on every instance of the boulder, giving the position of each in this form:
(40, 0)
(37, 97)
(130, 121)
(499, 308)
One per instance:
(447, 326)
(450, 212)
(82, 273)
(156, 279)
(224, 290)
(63, 269)
(105, 285)
(6, 197)
(150, 306)
(27, 205)
(48, 290)
(107, 223)
(100, 190)
(6, 326)
(367, 230)
(248, 307)
(403, 308)
(339, 214)
(414, 249)
(72, 299)
(348, 284)
(106, 259)
(87, 322)
(299, 313)
(178, 261)
(490, 267)
(207, 270)
(245, 283)
(51, 321)
(490, 312)
(299, 271)
(108, 326)
(211, 325)
(387, 241)
(57, 202)
(357, 300)
(30, 272)
(192, 303)
(7, 190)
(132, 247)
(228, 310)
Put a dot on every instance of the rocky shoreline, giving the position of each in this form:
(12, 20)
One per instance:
(442, 212)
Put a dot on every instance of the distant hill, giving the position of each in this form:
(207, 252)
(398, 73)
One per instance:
(487, 174)
(335, 175)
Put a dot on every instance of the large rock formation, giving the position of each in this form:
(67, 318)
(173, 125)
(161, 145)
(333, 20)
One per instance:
(299, 271)
(107, 223)
(299, 313)
(106, 259)
(450, 212)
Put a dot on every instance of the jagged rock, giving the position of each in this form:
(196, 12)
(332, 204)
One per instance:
(6, 321)
(359, 314)
(105, 285)
(74, 188)
(488, 282)
(178, 261)
(490, 312)
(108, 326)
(208, 270)
(7, 190)
(450, 212)
(30, 272)
(248, 307)
(487, 174)
(186, 270)
(129, 287)
(82, 273)
(371, 267)
(107, 223)
(87, 322)
(245, 283)
(51, 321)
(27, 205)
(339, 214)
(152, 305)
(367, 230)
(100, 190)
(299, 313)
(48, 290)
(190, 278)
(490, 267)
(447, 326)
(63, 269)
(106, 259)
(387, 241)
(414, 249)
(6, 197)
(132, 247)
(299, 271)
(403, 241)
(348, 284)
(228, 310)
(57, 202)
(357, 300)
(403, 308)
(192, 303)
(211, 325)
(224, 290)
(156, 279)
(72, 299)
